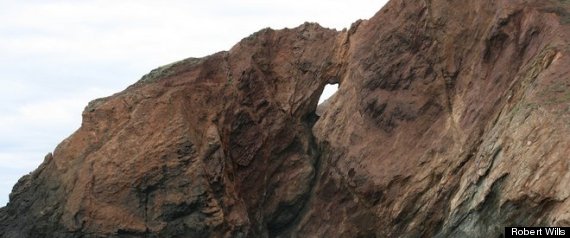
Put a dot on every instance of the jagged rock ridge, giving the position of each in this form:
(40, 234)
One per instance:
(452, 119)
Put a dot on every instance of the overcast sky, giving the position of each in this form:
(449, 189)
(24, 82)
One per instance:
(56, 56)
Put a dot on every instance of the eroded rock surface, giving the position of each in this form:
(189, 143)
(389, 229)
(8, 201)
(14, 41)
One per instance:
(452, 119)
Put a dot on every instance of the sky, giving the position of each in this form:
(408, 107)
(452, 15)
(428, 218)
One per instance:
(56, 56)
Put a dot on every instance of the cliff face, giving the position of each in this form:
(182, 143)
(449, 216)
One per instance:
(452, 119)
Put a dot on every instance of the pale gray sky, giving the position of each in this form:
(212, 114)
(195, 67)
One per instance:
(55, 56)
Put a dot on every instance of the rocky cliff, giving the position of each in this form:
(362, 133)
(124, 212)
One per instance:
(451, 120)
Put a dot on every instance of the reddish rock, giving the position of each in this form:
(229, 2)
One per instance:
(451, 119)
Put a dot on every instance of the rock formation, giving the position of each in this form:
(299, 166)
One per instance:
(451, 120)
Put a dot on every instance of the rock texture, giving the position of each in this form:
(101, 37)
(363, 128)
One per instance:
(451, 120)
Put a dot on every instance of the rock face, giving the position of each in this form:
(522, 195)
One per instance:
(452, 119)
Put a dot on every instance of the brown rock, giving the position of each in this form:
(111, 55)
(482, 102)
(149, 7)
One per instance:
(451, 120)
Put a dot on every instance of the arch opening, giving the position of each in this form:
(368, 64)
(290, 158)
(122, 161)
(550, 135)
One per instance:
(328, 92)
